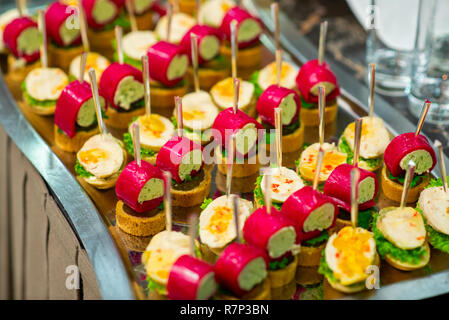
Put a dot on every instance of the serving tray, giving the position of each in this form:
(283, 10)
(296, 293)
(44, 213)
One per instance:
(394, 284)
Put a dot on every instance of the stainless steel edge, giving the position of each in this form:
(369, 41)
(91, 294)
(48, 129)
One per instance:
(303, 50)
(111, 274)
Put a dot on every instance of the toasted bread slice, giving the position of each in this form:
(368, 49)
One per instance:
(62, 57)
(145, 20)
(17, 74)
(310, 117)
(208, 77)
(195, 196)
(281, 277)
(250, 57)
(40, 110)
(64, 142)
(260, 292)
(307, 276)
(121, 120)
(310, 256)
(163, 98)
(101, 42)
(405, 266)
(248, 168)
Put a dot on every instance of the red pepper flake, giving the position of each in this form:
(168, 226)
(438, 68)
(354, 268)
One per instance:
(415, 214)
(288, 181)
(420, 238)
(412, 225)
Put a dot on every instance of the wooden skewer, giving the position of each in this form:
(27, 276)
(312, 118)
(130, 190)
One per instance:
(372, 86)
(175, 6)
(407, 181)
(230, 164)
(278, 67)
(275, 17)
(268, 175)
(42, 29)
(234, 48)
(236, 94)
(167, 201)
(136, 143)
(83, 27)
(439, 146)
(319, 164)
(322, 42)
(146, 84)
(355, 176)
(169, 20)
(118, 38)
(422, 118)
(96, 98)
(179, 116)
(198, 6)
(194, 45)
(235, 211)
(321, 108)
(83, 66)
(193, 228)
(132, 17)
(21, 7)
(278, 130)
(357, 139)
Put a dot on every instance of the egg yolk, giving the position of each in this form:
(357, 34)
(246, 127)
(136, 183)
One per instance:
(225, 7)
(331, 160)
(352, 250)
(284, 72)
(367, 130)
(219, 221)
(160, 261)
(93, 155)
(225, 88)
(153, 125)
(193, 114)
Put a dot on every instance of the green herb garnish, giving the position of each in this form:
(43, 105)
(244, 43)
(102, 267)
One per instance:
(259, 196)
(344, 147)
(205, 203)
(144, 152)
(323, 237)
(81, 171)
(416, 179)
(254, 79)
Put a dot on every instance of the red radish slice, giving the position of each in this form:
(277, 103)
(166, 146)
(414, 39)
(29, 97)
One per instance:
(338, 186)
(191, 279)
(171, 154)
(112, 76)
(227, 123)
(74, 95)
(158, 8)
(261, 227)
(55, 16)
(271, 99)
(301, 204)
(201, 31)
(88, 6)
(240, 15)
(12, 32)
(131, 181)
(401, 146)
(310, 75)
(161, 55)
(232, 263)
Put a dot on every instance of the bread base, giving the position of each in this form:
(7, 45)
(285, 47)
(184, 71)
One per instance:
(188, 7)
(145, 20)
(62, 57)
(393, 190)
(133, 243)
(65, 143)
(121, 120)
(281, 277)
(293, 141)
(139, 225)
(250, 109)
(101, 42)
(42, 111)
(16, 76)
(306, 276)
(239, 170)
(310, 256)
(260, 292)
(246, 58)
(341, 223)
(404, 266)
(207, 254)
(238, 185)
(285, 292)
(208, 77)
(310, 117)
(163, 99)
(190, 198)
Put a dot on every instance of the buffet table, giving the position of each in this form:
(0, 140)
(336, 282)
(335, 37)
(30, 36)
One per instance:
(50, 220)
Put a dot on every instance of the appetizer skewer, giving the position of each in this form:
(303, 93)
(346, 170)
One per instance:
(142, 12)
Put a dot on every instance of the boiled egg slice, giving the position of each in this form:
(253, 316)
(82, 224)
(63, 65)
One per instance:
(46, 83)
(349, 253)
(268, 76)
(94, 61)
(284, 182)
(374, 139)
(180, 24)
(332, 159)
(198, 110)
(434, 203)
(212, 12)
(404, 227)
(101, 155)
(136, 43)
(223, 93)
(217, 224)
(155, 131)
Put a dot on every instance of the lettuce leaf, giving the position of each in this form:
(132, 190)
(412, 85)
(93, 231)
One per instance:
(34, 102)
(154, 286)
(385, 247)
(344, 147)
(436, 183)
(81, 171)
(416, 179)
(278, 265)
(259, 196)
(254, 79)
(205, 203)
(307, 105)
(324, 268)
(323, 237)
(128, 141)
(122, 20)
(437, 239)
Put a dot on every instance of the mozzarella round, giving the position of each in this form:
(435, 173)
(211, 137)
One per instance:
(217, 224)
(332, 159)
(404, 227)
(155, 131)
(94, 60)
(212, 12)
(46, 83)
(434, 203)
(180, 24)
(268, 75)
(284, 182)
(223, 93)
(5, 19)
(198, 110)
(374, 139)
(101, 155)
(349, 253)
(162, 252)
(135, 44)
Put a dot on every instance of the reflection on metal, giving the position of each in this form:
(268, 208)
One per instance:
(80, 212)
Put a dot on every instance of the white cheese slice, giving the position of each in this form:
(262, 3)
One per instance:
(212, 12)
